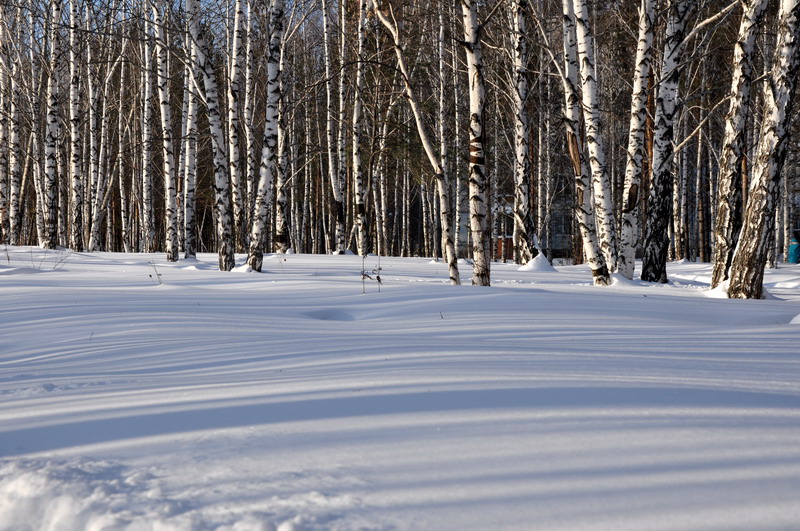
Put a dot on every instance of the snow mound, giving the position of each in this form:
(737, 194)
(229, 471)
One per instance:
(539, 264)
(464, 261)
(619, 280)
(796, 320)
(244, 268)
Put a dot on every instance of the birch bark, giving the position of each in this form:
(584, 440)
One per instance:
(4, 125)
(341, 160)
(584, 207)
(75, 169)
(729, 198)
(524, 229)
(750, 256)
(148, 218)
(234, 82)
(270, 150)
(167, 151)
(14, 154)
(123, 136)
(282, 241)
(637, 152)
(477, 160)
(53, 131)
(659, 212)
(601, 184)
(190, 164)
(333, 174)
(222, 198)
(249, 112)
(358, 167)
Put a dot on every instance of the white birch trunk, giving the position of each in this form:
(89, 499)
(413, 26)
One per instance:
(75, 169)
(584, 209)
(540, 182)
(729, 198)
(659, 213)
(750, 256)
(282, 240)
(167, 150)
(6, 120)
(234, 82)
(222, 198)
(524, 229)
(14, 152)
(333, 174)
(637, 151)
(249, 112)
(53, 131)
(358, 166)
(148, 218)
(93, 134)
(190, 164)
(122, 135)
(269, 154)
(477, 161)
(601, 184)
(448, 237)
(5, 83)
(341, 142)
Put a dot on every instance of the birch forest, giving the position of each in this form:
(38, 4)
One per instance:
(623, 134)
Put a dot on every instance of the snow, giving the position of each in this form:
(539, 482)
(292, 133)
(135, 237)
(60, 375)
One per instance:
(290, 400)
(538, 263)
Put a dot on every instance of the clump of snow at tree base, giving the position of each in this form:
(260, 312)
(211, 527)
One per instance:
(138, 394)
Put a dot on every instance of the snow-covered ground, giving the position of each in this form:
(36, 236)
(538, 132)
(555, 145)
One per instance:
(292, 400)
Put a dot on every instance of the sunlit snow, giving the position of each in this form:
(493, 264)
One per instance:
(137, 394)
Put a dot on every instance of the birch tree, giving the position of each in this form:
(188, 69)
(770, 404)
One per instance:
(76, 142)
(269, 155)
(729, 198)
(190, 163)
(282, 209)
(524, 229)
(167, 154)
(637, 152)
(750, 256)
(234, 95)
(584, 206)
(53, 131)
(5, 83)
(14, 140)
(477, 161)
(358, 167)
(601, 186)
(249, 111)
(222, 198)
(341, 142)
(148, 235)
(659, 213)
(337, 187)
